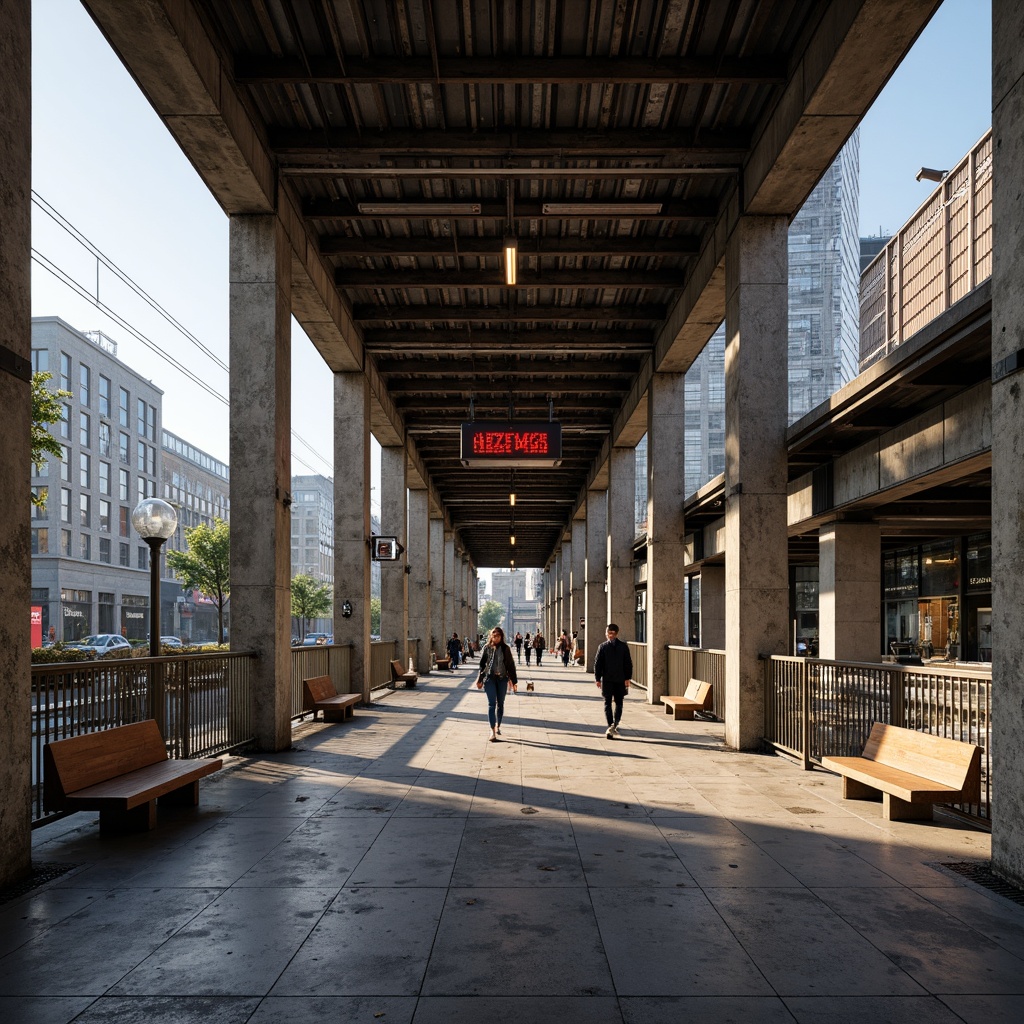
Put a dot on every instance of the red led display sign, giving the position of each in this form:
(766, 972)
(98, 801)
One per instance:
(511, 444)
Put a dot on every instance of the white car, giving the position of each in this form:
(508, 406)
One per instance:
(105, 645)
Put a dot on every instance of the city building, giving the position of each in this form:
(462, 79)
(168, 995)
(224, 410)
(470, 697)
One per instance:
(198, 487)
(312, 511)
(90, 571)
(508, 588)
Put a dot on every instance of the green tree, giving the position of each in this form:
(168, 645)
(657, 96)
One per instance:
(310, 599)
(206, 565)
(46, 409)
(491, 614)
(375, 616)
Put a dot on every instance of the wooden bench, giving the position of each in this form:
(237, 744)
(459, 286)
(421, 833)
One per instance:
(319, 694)
(696, 698)
(443, 663)
(399, 675)
(911, 770)
(120, 772)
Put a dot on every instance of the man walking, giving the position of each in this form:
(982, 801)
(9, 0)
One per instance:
(613, 672)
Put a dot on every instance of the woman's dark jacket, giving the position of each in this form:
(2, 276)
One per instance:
(510, 663)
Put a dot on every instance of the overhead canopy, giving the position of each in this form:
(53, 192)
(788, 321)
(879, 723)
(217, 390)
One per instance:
(404, 143)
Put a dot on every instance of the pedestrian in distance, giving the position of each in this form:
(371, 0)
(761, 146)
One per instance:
(497, 674)
(455, 650)
(528, 647)
(538, 645)
(519, 647)
(613, 672)
(563, 648)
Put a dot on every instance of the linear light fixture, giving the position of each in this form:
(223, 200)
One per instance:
(601, 209)
(512, 499)
(421, 209)
(511, 254)
(512, 539)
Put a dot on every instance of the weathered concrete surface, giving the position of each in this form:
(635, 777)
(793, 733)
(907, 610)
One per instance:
(437, 595)
(1008, 438)
(419, 575)
(756, 399)
(621, 529)
(595, 604)
(577, 574)
(712, 607)
(394, 521)
(260, 447)
(849, 585)
(352, 522)
(15, 458)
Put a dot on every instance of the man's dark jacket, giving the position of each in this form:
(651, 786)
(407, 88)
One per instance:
(613, 664)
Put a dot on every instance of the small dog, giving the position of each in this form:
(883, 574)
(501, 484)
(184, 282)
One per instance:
(529, 687)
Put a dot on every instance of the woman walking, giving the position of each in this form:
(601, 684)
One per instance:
(497, 673)
(538, 645)
(528, 644)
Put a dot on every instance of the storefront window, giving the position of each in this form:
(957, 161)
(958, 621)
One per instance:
(134, 616)
(76, 613)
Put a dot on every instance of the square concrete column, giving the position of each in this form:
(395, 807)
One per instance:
(666, 552)
(578, 575)
(352, 523)
(595, 602)
(260, 446)
(15, 456)
(712, 607)
(756, 401)
(438, 638)
(394, 582)
(451, 602)
(1008, 437)
(418, 557)
(621, 533)
(850, 592)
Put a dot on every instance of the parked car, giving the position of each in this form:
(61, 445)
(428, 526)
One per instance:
(104, 644)
(316, 640)
(170, 641)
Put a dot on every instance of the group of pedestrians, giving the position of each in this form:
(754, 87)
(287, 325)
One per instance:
(531, 645)
(613, 672)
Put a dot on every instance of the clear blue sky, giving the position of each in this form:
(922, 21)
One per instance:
(103, 159)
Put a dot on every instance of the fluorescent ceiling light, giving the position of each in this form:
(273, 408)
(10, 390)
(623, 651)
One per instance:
(511, 252)
(512, 540)
(421, 209)
(601, 209)
(512, 498)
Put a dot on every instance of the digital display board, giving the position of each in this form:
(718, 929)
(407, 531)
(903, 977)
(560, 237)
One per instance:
(501, 443)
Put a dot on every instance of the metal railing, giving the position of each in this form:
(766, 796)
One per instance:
(942, 253)
(334, 660)
(816, 709)
(638, 652)
(686, 663)
(201, 702)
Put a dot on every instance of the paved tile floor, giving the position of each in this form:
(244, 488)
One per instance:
(400, 868)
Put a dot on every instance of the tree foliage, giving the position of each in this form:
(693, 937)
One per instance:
(206, 565)
(491, 614)
(311, 599)
(46, 409)
(375, 616)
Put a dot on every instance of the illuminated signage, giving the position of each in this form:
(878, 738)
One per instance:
(385, 549)
(502, 443)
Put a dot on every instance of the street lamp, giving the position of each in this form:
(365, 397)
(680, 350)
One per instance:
(154, 521)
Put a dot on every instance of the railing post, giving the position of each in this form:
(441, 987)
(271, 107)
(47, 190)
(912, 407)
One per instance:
(897, 682)
(805, 716)
(185, 707)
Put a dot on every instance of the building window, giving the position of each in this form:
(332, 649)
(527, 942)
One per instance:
(65, 464)
(125, 556)
(65, 505)
(104, 478)
(140, 460)
(83, 385)
(65, 420)
(65, 543)
(104, 396)
(122, 484)
(141, 489)
(40, 541)
(122, 407)
(43, 469)
(44, 493)
(104, 516)
(85, 547)
(84, 470)
(124, 518)
(83, 429)
(151, 461)
(83, 510)
(143, 558)
(105, 550)
(40, 360)
(65, 372)
(104, 439)
(151, 432)
(140, 422)
(124, 448)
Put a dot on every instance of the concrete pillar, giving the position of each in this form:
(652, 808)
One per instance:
(621, 532)
(419, 575)
(352, 523)
(565, 620)
(756, 399)
(849, 589)
(451, 603)
(15, 455)
(437, 598)
(595, 601)
(1007, 437)
(666, 548)
(260, 446)
(712, 607)
(577, 575)
(394, 581)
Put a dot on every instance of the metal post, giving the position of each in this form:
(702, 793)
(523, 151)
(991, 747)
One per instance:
(156, 689)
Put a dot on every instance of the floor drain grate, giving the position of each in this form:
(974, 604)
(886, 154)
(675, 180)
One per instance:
(40, 875)
(982, 874)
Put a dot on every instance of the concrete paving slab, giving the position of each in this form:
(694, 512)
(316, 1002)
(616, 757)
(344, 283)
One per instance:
(168, 1010)
(706, 1009)
(891, 1010)
(42, 1009)
(335, 1009)
(987, 1009)
(523, 851)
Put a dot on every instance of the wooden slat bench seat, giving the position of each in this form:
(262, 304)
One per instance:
(319, 694)
(399, 675)
(444, 663)
(911, 770)
(121, 773)
(697, 697)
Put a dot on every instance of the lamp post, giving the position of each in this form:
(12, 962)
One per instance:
(154, 521)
